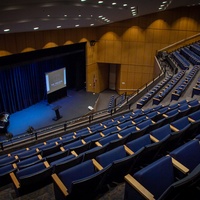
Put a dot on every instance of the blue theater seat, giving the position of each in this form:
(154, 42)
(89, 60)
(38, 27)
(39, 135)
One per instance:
(188, 154)
(151, 181)
(82, 181)
(31, 178)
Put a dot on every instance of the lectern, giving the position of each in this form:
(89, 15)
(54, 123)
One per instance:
(56, 109)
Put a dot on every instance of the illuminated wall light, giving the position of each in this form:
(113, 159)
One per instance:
(114, 3)
(79, 15)
(77, 25)
(91, 24)
(65, 15)
(125, 4)
(58, 26)
(36, 28)
(48, 15)
(100, 1)
(100, 16)
(6, 30)
(83, 0)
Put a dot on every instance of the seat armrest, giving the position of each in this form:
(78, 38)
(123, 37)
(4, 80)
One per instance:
(191, 120)
(15, 180)
(179, 166)
(128, 151)
(138, 187)
(98, 144)
(153, 138)
(174, 128)
(97, 165)
(60, 184)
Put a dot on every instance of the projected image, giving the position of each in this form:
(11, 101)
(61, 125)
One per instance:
(55, 80)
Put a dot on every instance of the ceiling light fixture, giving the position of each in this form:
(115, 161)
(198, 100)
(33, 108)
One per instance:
(100, 1)
(36, 28)
(6, 30)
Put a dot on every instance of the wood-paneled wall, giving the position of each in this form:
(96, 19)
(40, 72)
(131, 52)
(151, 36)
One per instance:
(132, 44)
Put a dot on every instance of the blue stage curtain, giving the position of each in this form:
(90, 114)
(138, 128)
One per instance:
(24, 85)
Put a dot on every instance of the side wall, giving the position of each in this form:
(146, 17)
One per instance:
(132, 44)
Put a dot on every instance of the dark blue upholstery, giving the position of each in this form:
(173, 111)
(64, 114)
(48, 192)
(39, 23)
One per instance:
(77, 172)
(181, 123)
(108, 157)
(156, 178)
(28, 162)
(108, 139)
(8, 160)
(81, 181)
(188, 154)
(162, 132)
(28, 154)
(67, 162)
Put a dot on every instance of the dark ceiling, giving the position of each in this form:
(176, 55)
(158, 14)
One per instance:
(33, 15)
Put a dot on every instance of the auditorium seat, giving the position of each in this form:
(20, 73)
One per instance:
(4, 173)
(188, 154)
(82, 181)
(66, 162)
(151, 181)
(31, 178)
(121, 160)
(29, 162)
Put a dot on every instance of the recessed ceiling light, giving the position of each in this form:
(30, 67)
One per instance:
(114, 3)
(79, 15)
(36, 28)
(58, 26)
(125, 4)
(77, 25)
(100, 1)
(83, 0)
(91, 24)
(65, 15)
(6, 30)
(100, 16)
(48, 15)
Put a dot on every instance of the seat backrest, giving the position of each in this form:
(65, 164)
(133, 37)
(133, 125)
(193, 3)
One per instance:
(157, 176)
(77, 172)
(30, 170)
(195, 115)
(188, 154)
(181, 123)
(108, 157)
(162, 132)
(144, 124)
(108, 139)
(139, 143)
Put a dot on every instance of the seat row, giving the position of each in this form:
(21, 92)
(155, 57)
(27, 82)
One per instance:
(190, 55)
(181, 88)
(183, 63)
(152, 92)
(163, 93)
(175, 176)
(196, 88)
(28, 174)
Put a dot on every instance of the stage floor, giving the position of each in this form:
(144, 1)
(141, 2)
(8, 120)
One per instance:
(41, 114)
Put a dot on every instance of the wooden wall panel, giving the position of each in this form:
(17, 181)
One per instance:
(131, 43)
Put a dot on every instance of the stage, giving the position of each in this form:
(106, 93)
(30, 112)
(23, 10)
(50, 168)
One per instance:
(42, 114)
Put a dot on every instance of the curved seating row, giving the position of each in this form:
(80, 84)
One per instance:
(190, 55)
(160, 179)
(183, 63)
(196, 88)
(163, 93)
(181, 88)
(152, 92)
(58, 158)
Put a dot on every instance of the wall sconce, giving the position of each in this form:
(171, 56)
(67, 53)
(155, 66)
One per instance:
(92, 42)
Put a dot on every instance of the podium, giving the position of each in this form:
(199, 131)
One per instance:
(56, 109)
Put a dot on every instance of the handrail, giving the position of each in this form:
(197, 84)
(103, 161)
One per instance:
(180, 43)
